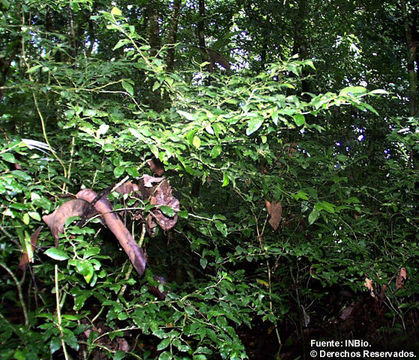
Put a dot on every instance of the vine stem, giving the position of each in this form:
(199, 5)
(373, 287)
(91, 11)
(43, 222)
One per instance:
(130, 268)
(19, 291)
(57, 300)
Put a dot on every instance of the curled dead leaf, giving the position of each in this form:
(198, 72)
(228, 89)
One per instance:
(24, 260)
(57, 219)
(401, 278)
(150, 180)
(156, 166)
(127, 188)
(162, 195)
(369, 286)
(275, 211)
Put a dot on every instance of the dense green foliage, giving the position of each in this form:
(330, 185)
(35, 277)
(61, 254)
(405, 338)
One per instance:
(309, 106)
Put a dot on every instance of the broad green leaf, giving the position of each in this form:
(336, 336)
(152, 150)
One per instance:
(353, 90)
(314, 215)
(221, 227)
(9, 157)
(25, 219)
(188, 116)
(128, 87)
(183, 214)
(163, 344)
(254, 124)
(116, 12)
(167, 210)
(132, 171)
(196, 142)
(55, 344)
(226, 180)
(203, 262)
(103, 129)
(56, 254)
(34, 215)
(121, 43)
(215, 151)
(379, 92)
(156, 86)
(118, 171)
(33, 69)
(299, 119)
(324, 205)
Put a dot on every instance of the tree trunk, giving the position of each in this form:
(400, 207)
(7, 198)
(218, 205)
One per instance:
(171, 38)
(411, 68)
(152, 14)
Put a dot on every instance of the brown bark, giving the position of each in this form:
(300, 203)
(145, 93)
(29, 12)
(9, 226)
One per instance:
(152, 13)
(413, 76)
(171, 38)
(114, 223)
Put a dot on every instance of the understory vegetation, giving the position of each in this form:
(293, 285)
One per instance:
(213, 179)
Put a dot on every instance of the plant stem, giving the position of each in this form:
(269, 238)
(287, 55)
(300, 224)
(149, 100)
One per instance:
(19, 291)
(57, 300)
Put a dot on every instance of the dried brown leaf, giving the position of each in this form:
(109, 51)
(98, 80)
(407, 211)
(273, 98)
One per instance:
(162, 195)
(127, 188)
(150, 180)
(34, 239)
(369, 286)
(57, 219)
(156, 166)
(275, 211)
(401, 278)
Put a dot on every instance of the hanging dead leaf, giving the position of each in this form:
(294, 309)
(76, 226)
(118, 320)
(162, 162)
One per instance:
(114, 223)
(162, 195)
(57, 219)
(401, 278)
(275, 211)
(24, 260)
(127, 188)
(369, 286)
(150, 180)
(156, 166)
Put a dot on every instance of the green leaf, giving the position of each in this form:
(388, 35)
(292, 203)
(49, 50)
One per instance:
(183, 214)
(324, 205)
(56, 254)
(132, 171)
(9, 157)
(167, 210)
(128, 87)
(216, 151)
(25, 219)
(226, 180)
(253, 125)
(55, 344)
(203, 262)
(379, 92)
(163, 344)
(299, 119)
(156, 86)
(314, 215)
(353, 90)
(33, 69)
(119, 355)
(34, 215)
(196, 142)
(221, 227)
(118, 171)
(121, 43)
(116, 12)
